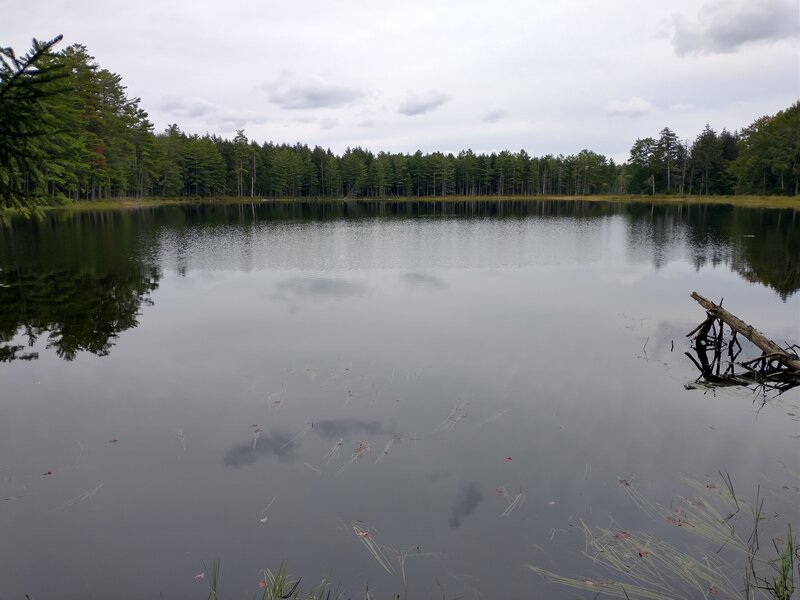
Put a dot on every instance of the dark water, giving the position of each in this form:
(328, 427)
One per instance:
(186, 384)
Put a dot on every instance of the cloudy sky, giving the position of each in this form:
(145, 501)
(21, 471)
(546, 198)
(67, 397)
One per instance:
(544, 75)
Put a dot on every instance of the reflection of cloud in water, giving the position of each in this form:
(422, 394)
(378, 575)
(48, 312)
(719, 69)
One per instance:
(423, 280)
(321, 286)
(339, 428)
(277, 444)
(468, 500)
(628, 276)
(438, 476)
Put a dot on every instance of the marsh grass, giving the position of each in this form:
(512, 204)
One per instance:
(366, 537)
(133, 203)
(276, 586)
(212, 575)
(713, 559)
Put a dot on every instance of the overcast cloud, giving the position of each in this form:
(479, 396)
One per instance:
(724, 27)
(311, 94)
(633, 107)
(418, 104)
(547, 76)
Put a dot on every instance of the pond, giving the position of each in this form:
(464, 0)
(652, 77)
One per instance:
(417, 399)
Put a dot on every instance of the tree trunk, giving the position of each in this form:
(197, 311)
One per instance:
(668, 168)
(756, 337)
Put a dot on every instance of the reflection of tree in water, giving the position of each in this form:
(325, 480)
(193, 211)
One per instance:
(763, 246)
(81, 278)
(79, 284)
(773, 261)
(78, 310)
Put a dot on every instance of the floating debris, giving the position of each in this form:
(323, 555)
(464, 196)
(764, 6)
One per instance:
(182, 439)
(263, 517)
(366, 537)
(385, 451)
(494, 417)
(333, 453)
(75, 500)
(257, 431)
(518, 499)
(358, 452)
(302, 431)
(776, 371)
(457, 414)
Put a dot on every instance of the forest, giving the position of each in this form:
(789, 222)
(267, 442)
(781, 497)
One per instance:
(69, 131)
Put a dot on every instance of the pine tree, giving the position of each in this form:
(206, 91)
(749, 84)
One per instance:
(26, 122)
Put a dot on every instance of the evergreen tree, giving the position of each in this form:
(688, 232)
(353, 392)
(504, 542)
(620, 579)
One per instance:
(26, 121)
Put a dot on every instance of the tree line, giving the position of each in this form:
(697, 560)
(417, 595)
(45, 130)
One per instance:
(69, 131)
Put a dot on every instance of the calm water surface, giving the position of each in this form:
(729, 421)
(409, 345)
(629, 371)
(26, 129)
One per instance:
(250, 383)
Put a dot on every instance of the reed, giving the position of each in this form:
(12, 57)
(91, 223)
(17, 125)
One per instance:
(713, 561)
(212, 575)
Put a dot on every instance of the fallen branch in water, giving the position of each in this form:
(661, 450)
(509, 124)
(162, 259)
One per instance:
(777, 369)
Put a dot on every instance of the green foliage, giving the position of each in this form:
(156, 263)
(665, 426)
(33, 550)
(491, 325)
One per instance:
(768, 160)
(68, 131)
(28, 119)
(274, 586)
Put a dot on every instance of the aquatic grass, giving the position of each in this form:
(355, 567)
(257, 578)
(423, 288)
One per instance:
(402, 559)
(306, 428)
(747, 201)
(333, 453)
(724, 564)
(365, 536)
(359, 452)
(385, 451)
(278, 585)
(518, 499)
(275, 586)
(647, 567)
(780, 584)
(457, 414)
(212, 574)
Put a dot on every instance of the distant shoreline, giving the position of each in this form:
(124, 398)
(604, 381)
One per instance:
(744, 201)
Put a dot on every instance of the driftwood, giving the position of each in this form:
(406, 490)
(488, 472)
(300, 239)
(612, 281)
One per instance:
(766, 345)
(777, 369)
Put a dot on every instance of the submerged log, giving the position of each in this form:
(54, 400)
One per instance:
(766, 345)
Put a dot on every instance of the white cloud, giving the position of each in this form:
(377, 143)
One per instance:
(314, 93)
(633, 107)
(501, 75)
(193, 108)
(328, 123)
(187, 107)
(418, 104)
(493, 116)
